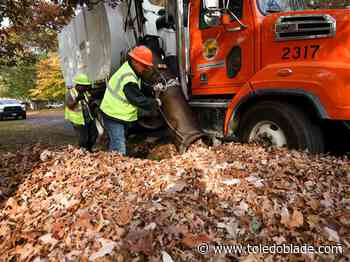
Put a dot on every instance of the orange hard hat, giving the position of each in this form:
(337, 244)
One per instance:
(142, 54)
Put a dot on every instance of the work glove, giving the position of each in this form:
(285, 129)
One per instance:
(162, 66)
(80, 97)
(159, 102)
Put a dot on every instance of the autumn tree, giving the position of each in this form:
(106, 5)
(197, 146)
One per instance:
(30, 32)
(33, 25)
(49, 79)
(17, 81)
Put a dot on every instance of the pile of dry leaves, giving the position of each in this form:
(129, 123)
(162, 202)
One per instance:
(76, 206)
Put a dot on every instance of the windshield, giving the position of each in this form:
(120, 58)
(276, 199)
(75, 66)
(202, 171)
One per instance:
(8, 101)
(271, 6)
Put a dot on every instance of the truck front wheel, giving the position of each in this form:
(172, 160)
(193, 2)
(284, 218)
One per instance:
(280, 124)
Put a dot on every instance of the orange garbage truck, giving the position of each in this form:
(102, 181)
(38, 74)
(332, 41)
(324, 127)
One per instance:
(273, 71)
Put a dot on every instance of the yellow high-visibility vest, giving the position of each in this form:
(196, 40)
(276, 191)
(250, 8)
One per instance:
(114, 103)
(75, 116)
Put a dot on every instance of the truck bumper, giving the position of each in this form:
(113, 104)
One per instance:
(12, 114)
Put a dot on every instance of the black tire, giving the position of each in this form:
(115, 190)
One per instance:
(24, 116)
(300, 132)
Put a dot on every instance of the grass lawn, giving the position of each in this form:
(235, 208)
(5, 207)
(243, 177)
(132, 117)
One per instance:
(46, 127)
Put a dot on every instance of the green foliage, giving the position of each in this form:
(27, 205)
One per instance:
(40, 79)
(17, 81)
(17, 50)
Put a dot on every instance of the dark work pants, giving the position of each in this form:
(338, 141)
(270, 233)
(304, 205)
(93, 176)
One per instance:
(171, 62)
(87, 135)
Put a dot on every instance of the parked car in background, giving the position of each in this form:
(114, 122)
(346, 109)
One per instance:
(52, 105)
(12, 108)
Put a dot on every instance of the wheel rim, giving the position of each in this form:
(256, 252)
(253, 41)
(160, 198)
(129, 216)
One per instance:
(269, 133)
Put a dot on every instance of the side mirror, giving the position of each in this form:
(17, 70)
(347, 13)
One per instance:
(212, 18)
(212, 14)
(229, 19)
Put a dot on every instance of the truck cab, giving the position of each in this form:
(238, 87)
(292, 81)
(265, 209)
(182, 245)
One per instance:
(273, 71)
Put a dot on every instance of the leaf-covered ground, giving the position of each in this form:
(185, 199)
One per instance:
(69, 205)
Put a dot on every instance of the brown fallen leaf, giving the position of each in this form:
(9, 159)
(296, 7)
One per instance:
(48, 239)
(177, 187)
(314, 204)
(25, 252)
(331, 234)
(192, 241)
(58, 230)
(294, 221)
(297, 219)
(107, 247)
(313, 221)
(124, 214)
(140, 241)
(285, 217)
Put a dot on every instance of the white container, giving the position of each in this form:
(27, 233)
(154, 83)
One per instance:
(67, 42)
(94, 42)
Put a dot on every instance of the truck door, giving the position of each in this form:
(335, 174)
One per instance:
(221, 56)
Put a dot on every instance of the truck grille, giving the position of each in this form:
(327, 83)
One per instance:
(305, 27)
(14, 109)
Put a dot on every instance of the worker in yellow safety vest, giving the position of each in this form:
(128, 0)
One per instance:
(124, 96)
(78, 113)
